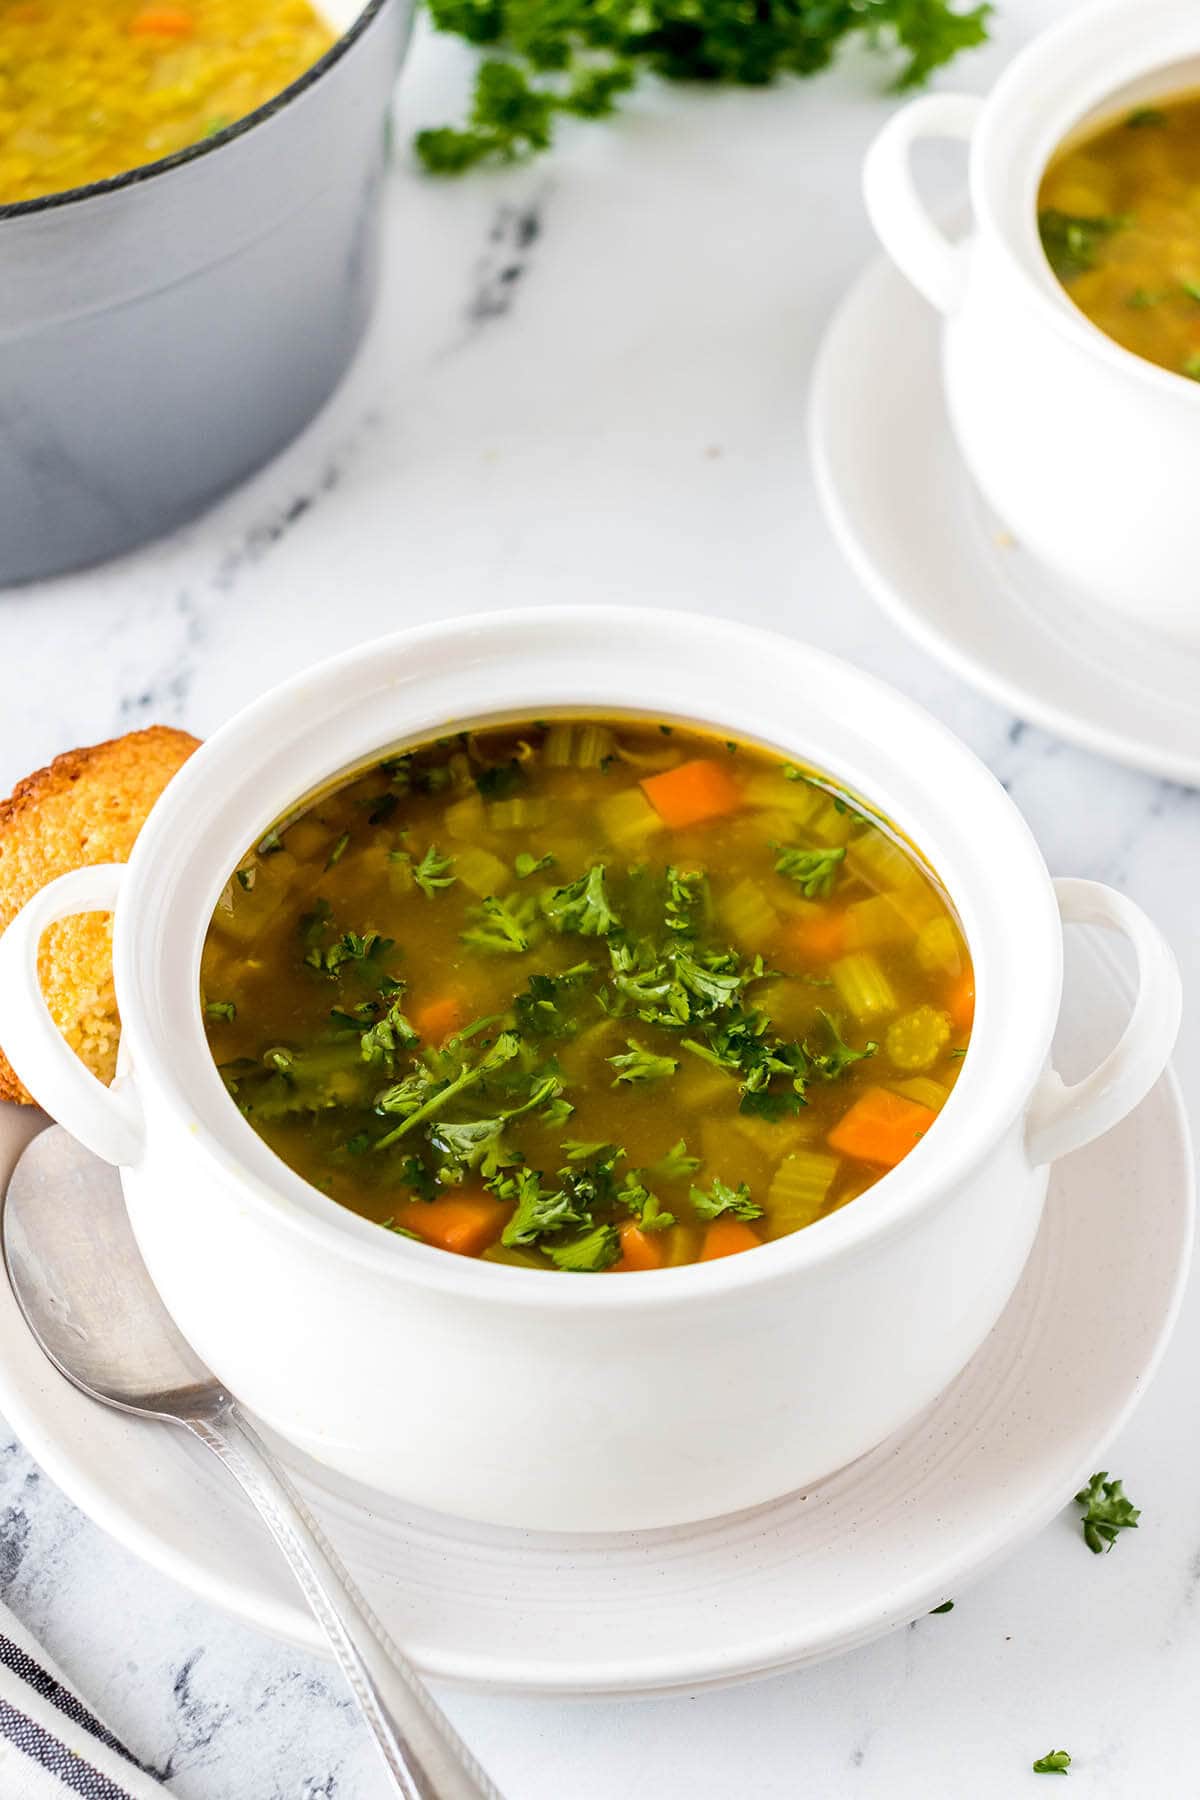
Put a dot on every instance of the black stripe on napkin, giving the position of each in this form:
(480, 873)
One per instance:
(43, 1683)
(56, 1759)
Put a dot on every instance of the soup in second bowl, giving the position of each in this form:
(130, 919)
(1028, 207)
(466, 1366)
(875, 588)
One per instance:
(587, 994)
(1119, 216)
(87, 92)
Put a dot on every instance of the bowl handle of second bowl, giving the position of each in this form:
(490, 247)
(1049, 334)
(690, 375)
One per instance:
(1064, 1118)
(934, 264)
(106, 1120)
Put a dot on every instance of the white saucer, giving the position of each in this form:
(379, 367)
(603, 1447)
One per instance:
(873, 1547)
(915, 530)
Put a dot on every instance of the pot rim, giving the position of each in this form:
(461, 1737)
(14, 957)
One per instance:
(987, 1100)
(163, 165)
(1114, 45)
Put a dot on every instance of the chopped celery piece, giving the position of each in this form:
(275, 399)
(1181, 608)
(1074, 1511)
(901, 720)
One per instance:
(874, 922)
(863, 986)
(924, 1091)
(682, 1245)
(514, 1256)
(749, 915)
(465, 818)
(916, 1040)
(629, 819)
(480, 872)
(831, 823)
(307, 838)
(881, 863)
(774, 1136)
(938, 949)
(799, 1190)
(517, 814)
(400, 875)
(798, 800)
(577, 745)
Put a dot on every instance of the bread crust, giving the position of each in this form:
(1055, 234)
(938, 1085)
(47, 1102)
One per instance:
(85, 807)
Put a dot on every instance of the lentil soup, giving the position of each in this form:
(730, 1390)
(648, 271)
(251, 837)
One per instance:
(88, 92)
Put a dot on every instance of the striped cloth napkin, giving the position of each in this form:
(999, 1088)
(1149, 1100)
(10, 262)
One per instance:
(51, 1746)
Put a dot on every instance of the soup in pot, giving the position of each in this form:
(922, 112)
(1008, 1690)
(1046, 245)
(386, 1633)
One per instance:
(87, 92)
(588, 994)
(1119, 215)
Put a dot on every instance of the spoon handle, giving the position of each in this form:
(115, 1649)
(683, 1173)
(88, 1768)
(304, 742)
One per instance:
(425, 1757)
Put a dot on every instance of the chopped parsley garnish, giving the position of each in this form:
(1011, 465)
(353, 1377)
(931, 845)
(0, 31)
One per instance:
(1071, 240)
(676, 1165)
(1143, 117)
(338, 851)
(1106, 1511)
(582, 906)
(636, 1064)
(597, 1249)
(220, 1009)
(813, 871)
(525, 864)
(432, 873)
(247, 878)
(503, 927)
(721, 1199)
(1055, 1762)
(500, 782)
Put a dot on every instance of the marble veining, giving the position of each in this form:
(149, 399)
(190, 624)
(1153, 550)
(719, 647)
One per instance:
(587, 380)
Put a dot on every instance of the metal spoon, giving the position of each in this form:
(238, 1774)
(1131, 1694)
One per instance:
(88, 1298)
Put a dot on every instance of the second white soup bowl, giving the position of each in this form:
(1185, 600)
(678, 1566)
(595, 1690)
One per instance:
(1087, 452)
(564, 1402)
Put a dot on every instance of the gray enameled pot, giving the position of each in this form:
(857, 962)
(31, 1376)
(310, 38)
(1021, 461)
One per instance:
(164, 332)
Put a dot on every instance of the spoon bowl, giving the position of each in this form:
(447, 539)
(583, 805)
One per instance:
(87, 1296)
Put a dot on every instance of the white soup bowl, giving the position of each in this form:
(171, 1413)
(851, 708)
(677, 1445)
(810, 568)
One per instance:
(568, 1402)
(1087, 452)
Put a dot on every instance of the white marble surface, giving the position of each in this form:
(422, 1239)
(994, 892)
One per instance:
(588, 381)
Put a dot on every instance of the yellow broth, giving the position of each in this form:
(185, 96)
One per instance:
(587, 994)
(90, 91)
(1119, 215)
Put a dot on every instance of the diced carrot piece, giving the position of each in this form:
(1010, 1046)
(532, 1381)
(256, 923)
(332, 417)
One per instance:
(162, 22)
(960, 1001)
(881, 1127)
(465, 1223)
(815, 936)
(693, 792)
(725, 1237)
(639, 1249)
(439, 1019)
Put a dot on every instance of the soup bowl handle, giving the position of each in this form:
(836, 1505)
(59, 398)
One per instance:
(106, 1119)
(1064, 1117)
(934, 264)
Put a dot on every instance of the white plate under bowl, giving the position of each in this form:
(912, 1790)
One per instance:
(917, 533)
(809, 1575)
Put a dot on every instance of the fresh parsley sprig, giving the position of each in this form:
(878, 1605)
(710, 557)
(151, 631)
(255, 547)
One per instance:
(551, 58)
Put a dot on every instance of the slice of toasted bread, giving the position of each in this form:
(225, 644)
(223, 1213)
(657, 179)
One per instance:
(87, 807)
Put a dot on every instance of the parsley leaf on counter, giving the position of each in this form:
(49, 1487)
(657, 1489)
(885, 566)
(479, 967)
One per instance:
(1055, 1762)
(576, 57)
(1106, 1510)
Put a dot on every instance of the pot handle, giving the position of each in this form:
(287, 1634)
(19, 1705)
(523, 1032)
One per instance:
(1063, 1118)
(106, 1120)
(920, 249)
